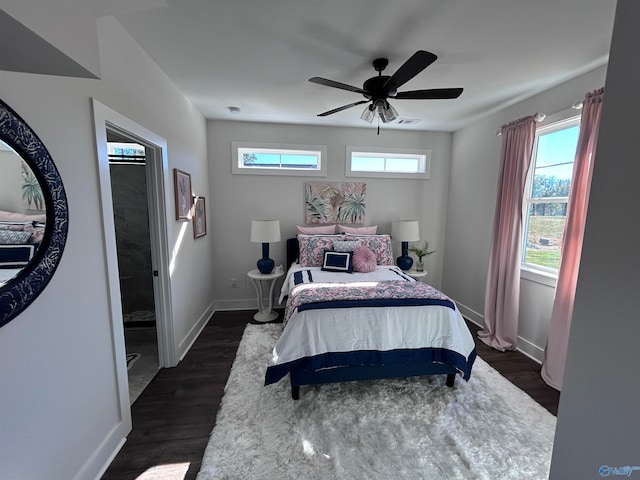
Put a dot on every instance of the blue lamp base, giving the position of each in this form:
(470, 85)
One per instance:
(265, 264)
(404, 261)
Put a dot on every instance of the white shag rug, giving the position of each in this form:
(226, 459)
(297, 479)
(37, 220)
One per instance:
(414, 428)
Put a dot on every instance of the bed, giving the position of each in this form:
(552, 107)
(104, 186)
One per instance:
(20, 237)
(342, 324)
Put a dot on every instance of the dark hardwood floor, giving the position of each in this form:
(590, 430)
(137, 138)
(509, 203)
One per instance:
(173, 417)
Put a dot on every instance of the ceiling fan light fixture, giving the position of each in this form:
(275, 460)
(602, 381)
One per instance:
(388, 113)
(385, 111)
(368, 114)
(382, 87)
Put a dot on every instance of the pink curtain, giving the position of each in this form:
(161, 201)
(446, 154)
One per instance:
(502, 296)
(556, 350)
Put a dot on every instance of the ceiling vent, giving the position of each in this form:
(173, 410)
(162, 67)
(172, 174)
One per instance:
(407, 121)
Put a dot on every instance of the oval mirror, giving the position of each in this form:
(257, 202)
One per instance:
(33, 215)
(23, 217)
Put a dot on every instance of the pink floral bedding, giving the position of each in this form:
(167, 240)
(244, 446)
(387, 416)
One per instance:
(363, 294)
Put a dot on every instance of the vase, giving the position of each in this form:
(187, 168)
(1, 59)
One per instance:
(419, 266)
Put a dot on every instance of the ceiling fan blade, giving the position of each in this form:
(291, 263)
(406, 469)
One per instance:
(409, 69)
(334, 84)
(344, 107)
(431, 94)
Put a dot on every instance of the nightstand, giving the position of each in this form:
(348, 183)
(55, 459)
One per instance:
(416, 274)
(265, 312)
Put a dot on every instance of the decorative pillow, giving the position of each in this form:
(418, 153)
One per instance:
(323, 230)
(366, 230)
(312, 248)
(345, 245)
(364, 260)
(338, 262)
(21, 217)
(37, 232)
(16, 256)
(15, 226)
(11, 237)
(380, 245)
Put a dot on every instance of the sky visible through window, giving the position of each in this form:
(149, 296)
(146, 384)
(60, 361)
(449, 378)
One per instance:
(556, 151)
(276, 159)
(546, 203)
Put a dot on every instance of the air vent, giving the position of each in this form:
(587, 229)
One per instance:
(408, 121)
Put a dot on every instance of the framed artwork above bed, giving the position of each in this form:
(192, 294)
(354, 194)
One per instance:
(335, 202)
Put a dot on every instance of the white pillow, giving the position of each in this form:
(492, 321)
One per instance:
(346, 245)
(372, 230)
(320, 230)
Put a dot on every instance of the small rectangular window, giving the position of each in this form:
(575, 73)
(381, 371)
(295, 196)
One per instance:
(547, 194)
(278, 159)
(387, 162)
(126, 153)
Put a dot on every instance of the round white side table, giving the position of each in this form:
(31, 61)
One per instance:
(417, 275)
(265, 312)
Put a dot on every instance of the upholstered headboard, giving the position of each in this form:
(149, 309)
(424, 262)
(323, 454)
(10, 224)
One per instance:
(293, 250)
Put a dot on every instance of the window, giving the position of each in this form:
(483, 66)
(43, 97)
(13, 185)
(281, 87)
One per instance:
(126, 153)
(388, 162)
(547, 194)
(277, 159)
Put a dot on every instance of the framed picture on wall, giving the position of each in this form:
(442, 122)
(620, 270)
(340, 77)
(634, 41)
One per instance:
(335, 202)
(199, 218)
(182, 189)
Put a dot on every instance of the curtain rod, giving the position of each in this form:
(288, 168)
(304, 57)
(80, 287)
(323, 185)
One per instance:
(538, 117)
(577, 105)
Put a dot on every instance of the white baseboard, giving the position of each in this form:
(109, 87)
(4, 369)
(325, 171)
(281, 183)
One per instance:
(102, 457)
(236, 305)
(525, 347)
(532, 351)
(243, 304)
(470, 314)
(192, 335)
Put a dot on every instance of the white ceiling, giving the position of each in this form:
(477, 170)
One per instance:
(259, 54)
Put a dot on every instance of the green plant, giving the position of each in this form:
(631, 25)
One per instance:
(422, 251)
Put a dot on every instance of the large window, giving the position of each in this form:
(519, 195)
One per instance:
(387, 162)
(547, 194)
(278, 159)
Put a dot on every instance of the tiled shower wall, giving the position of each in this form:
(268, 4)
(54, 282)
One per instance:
(129, 190)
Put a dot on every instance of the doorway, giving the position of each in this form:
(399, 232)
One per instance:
(112, 126)
(130, 197)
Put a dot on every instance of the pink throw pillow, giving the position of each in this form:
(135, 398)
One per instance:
(364, 260)
(372, 230)
(323, 230)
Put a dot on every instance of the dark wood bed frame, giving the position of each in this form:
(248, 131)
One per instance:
(300, 377)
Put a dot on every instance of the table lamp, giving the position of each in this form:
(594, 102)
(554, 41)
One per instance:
(405, 231)
(265, 231)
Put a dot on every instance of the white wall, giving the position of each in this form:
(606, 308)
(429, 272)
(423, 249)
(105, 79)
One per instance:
(10, 182)
(472, 195)
(58, 395)
(599, 414)
(237, 199)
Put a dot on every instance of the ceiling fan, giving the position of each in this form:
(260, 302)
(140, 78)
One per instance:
(378, 90)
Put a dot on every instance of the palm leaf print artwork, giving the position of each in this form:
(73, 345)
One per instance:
(32, 197)
(335, 202)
